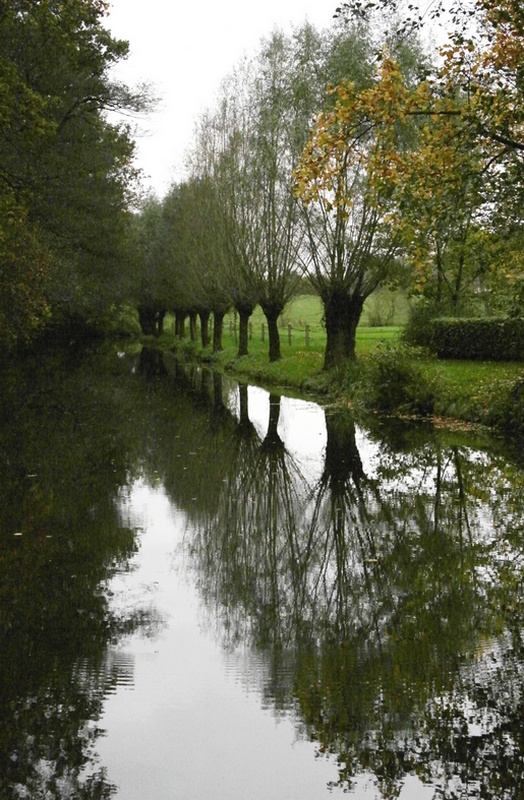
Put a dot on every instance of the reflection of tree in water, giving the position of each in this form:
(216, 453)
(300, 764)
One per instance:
(376, 593)
(386, 601)
(384, 586)
(65, 451)
(243, 546)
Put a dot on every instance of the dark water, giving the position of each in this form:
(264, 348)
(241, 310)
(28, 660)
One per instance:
(210, 592)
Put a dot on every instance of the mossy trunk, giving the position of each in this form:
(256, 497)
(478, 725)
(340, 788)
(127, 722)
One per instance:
(342, 314)
(272, 314)
(180, 324)
(244, 315)
(193, 326)
(204, 327)
(151, 319)
(218, 327)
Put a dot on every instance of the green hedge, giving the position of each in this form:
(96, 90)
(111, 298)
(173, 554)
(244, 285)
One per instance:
(494, 339)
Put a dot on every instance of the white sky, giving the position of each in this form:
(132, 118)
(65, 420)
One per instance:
(185, 50)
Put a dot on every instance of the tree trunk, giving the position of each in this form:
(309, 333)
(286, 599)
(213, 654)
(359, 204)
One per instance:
(244, 314)
(204, 327)
(218, 326)
(272, 314)
(180, 324)
(147, 317)
(342, 315)
(193, 326)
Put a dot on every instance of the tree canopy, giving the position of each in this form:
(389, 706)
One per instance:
(463, 171)
(65, 169)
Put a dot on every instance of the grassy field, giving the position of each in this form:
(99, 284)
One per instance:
(306, 311)
(466, 390)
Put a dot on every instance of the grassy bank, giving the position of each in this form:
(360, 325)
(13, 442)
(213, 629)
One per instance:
(386, 377)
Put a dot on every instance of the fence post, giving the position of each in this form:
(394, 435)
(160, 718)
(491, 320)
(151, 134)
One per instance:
(307, 335)
(289, 333)
(263, 331)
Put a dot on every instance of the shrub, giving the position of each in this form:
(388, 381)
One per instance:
(418, 327)
(392, 382)
(507, 412)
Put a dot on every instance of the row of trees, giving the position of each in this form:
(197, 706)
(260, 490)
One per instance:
(233, 235)
(405, 169)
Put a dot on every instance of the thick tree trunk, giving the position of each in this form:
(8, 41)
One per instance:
(342, 315)
(180, 324)
(204, 327)
(148, 318)
(244, 314)
(272, 314)
(218, 326)
(193, 326)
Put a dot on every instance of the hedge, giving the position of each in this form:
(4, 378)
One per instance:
(491, 339)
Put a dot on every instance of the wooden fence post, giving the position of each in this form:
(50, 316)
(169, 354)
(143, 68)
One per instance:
(307, 335)
(289, 334)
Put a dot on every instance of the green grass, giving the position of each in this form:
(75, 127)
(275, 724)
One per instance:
(471, 390)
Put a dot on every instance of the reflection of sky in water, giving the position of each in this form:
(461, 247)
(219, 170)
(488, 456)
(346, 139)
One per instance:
(194, 721)
(192, 727)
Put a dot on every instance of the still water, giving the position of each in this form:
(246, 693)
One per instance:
(208, 591)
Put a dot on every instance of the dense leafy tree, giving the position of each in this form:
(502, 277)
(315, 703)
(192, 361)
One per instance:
(148, 278)
(464, 172)
(352, 243)
(65, 169)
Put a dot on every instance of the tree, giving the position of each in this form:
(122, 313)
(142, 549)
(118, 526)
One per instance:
(65, 170)
(197, 242)
(248, 147)
(225, 140)
(282, 113)
(149, 276)
(471, 111)
(348, 212)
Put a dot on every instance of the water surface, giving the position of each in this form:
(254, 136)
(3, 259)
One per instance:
(210, 591)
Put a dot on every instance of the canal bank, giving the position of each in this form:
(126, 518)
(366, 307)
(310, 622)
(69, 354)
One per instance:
(391, 380)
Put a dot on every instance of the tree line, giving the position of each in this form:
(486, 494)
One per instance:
(66, 170)
(352, 158)
(234, 235)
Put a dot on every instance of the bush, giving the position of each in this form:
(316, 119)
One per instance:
(392, 382)
(418, 328)
(507, 412)
(478, 339)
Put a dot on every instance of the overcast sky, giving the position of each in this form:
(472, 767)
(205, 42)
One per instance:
(184, 50)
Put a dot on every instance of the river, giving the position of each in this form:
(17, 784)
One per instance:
(210, 591)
